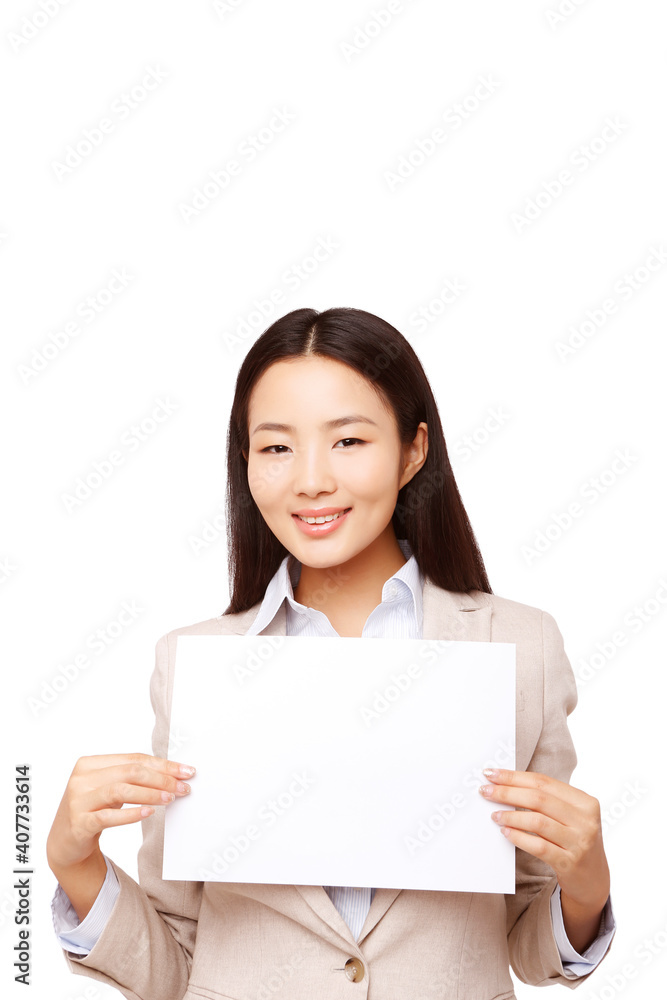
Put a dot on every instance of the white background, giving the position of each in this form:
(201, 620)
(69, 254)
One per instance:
(355, 111)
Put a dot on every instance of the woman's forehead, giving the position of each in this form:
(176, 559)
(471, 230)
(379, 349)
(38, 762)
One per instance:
(318, 380)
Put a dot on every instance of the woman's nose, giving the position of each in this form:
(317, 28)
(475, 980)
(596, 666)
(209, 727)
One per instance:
(312, 473)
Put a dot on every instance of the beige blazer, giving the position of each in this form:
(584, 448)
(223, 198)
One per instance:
(170, 940)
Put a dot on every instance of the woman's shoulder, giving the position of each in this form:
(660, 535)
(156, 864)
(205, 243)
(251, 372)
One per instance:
(225, 624)
(505, 610)
(470, 600)
(507, 606)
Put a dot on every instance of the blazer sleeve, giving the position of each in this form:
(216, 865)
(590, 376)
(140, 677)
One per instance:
(145, 950)
(533, 951)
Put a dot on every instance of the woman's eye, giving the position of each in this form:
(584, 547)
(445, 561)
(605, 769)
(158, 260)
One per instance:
(271, 447)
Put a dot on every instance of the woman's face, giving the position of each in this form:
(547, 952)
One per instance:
(306, 466)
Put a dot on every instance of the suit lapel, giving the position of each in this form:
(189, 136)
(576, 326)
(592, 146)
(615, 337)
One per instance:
(446, 615)
(450, 615)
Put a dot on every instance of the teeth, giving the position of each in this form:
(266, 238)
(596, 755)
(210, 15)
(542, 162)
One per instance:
(320, 520)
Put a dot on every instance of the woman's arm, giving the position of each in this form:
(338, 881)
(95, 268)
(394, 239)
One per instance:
(145, 950)
(561, 826)
(576, 851)
(97, 789)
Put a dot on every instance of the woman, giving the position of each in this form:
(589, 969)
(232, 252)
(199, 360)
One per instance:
(397, 559)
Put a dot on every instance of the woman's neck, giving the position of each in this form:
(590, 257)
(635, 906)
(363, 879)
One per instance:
(348, 592)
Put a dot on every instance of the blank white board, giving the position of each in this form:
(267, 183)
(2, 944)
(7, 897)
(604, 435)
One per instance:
(341, 761)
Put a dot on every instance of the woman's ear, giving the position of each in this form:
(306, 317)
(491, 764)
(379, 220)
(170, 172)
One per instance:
(414, 454)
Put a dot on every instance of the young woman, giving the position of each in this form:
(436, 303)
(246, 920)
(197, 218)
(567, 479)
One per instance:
(334, 418)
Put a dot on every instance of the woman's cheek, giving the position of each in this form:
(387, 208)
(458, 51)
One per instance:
(260, 475)
(372, 482)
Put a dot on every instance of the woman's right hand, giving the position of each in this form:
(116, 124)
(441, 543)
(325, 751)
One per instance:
(97, 789)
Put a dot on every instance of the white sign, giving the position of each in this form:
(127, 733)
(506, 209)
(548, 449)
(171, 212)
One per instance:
(341, 761)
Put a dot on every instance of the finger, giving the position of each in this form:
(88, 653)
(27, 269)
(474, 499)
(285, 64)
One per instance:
(104, 818)
(135, 773)
(534, 779)
(536, 823)
(96, 761)
(533, 799)
(540, 848)
(117, 793)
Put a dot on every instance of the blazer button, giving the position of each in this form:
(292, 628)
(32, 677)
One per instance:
(354, 970)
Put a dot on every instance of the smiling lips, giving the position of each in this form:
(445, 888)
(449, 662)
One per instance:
(320, 522)
(321, 516)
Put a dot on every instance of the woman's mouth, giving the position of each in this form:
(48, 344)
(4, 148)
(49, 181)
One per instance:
(321, 520)
(323, 524)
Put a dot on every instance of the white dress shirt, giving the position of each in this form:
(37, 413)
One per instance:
(398, 616)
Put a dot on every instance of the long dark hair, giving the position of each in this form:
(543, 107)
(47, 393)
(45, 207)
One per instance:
(429, 511)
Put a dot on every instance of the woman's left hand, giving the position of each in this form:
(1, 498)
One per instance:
(558, 824)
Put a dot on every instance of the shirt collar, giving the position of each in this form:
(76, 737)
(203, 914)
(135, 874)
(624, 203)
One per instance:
(281, 587)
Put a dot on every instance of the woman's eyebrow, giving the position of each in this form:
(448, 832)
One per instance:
(354, 418)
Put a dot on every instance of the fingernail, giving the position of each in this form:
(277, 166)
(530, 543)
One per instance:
(186, 770)
(490, 772)
(486, 790)
(183, 788)
(497, 815)
(146, 810)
